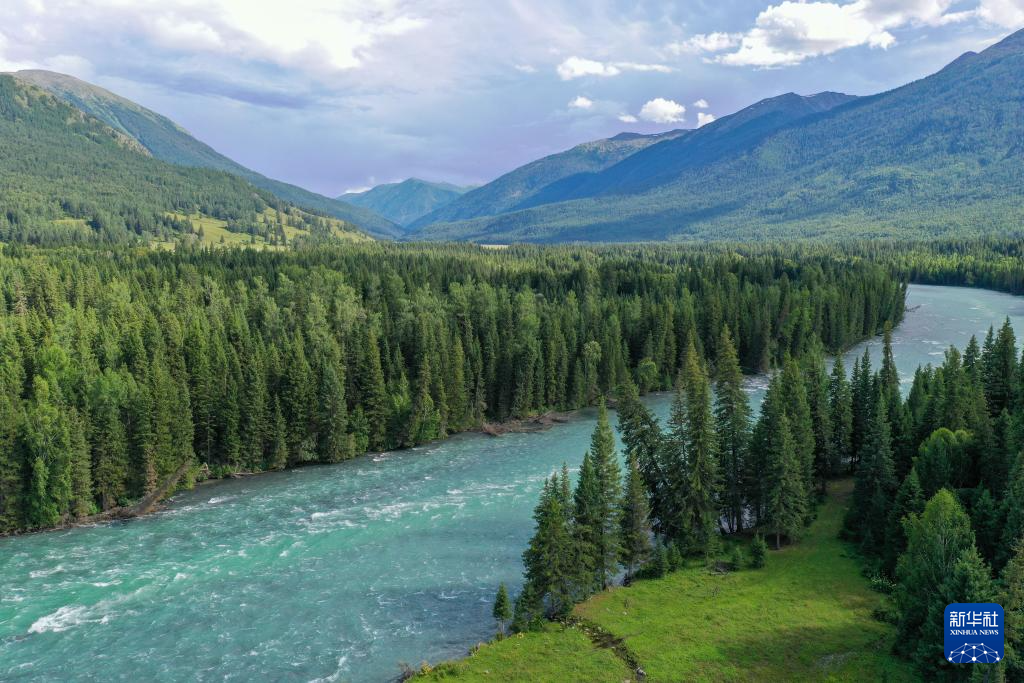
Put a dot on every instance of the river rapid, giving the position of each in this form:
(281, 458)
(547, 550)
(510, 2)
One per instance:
(333, 573)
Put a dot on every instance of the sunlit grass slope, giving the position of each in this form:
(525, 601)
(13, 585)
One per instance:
(806, 616)
(557, 654)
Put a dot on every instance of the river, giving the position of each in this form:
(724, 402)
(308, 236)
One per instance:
(335, 572)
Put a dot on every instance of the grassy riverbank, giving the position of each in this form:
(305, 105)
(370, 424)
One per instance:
(806, 616)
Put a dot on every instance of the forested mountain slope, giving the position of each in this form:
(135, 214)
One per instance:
(512, 189)
(67, 176)
(406, 201)
(168, 142)
(941, 155)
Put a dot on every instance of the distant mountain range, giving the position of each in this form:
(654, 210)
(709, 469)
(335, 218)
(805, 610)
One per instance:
(944, 154)
(406, 201)
(513, 189)
(169, 142)
(941, 155)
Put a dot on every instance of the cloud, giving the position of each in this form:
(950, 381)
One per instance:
(1005, 13)
(706, 42)
(660, 110)
(526, 68)
(701, 104)
(790, 32)
(578, 67)
(627, 118)
(581, 102)
(703, 118)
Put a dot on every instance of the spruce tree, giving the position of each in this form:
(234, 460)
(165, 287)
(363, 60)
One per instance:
(868, 516)
(732, 426)
(785, 493)
(909, 501)
(643, 441)
(841, 415)
(635, 543)
(701, 492)
(502, 610)
(608, 478)
(1012, 601)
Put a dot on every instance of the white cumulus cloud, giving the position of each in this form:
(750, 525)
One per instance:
(703, 118)
(660, 110)
(627, 118)
(1005, 13)
(793, 31)
(701, 104)
(578, 67)
(706, 42)
(581, 102)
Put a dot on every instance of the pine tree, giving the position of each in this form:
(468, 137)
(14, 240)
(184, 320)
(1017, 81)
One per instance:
(702, 488)
(502, 611)
(1012, 601)
(821, 418)
(643, 442)
(785, 492)
(1000, 369)
(1013, 515)
(674, 465)
(875, 484)
(801, 424)
(606, 504)
(635, 543)
(863, 402)
(732, 426)
(841, 414)
(909, 501)
(758, 552)
(547, 557)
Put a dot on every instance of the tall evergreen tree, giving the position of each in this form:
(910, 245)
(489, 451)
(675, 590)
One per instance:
(700, 511)
(875, 484)
(732, 426)
(785, 493)
(841, 416)
(636, 542)
(605, 522)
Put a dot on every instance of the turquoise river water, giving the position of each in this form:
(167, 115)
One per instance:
(330, 573)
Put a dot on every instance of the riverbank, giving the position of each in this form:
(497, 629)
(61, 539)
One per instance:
(808, 615)
(342, 571)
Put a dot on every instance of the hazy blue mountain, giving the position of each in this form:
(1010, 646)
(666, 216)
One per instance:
(940, 155)
(512, 189)
(406, 201)
(169, 142)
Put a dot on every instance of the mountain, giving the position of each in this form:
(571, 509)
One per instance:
(169, 142)
(512, 189)
(67, 176)
(940, 155)
(404, 202)
(667, 160)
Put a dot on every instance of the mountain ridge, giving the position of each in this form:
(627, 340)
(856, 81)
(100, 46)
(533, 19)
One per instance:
(405, 201)
(938, 155)
(514, 187)
(170, 142)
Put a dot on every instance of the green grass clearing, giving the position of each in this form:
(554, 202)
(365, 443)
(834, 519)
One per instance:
(557, 654)
(806, 616)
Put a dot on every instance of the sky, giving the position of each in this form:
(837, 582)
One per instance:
(340, 95)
